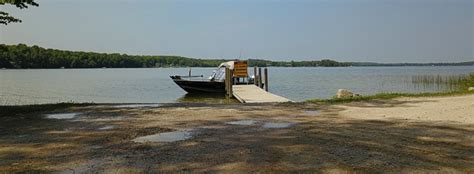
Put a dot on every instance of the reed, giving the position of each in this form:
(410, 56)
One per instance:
(459, 85)
(441, 82)
(468, 82)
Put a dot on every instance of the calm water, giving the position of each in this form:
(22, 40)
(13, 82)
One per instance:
(18, 87)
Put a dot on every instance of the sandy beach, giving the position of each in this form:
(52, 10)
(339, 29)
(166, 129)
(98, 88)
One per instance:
(459, 109)
(403, 135)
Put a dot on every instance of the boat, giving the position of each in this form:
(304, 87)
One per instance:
(215, 83)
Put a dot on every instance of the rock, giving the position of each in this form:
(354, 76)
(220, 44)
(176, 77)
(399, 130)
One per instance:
(471, 89)
(344, 93)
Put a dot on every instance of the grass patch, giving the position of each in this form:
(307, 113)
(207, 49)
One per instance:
(386, 96)
(17, 110)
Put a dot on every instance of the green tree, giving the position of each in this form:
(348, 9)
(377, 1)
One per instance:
(5, 18)
(23, 56)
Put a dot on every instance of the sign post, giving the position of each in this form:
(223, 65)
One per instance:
(240, 69)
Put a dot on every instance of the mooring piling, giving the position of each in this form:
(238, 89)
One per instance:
(265, 71)
(260, 77)
(229, 81)
(255, 76)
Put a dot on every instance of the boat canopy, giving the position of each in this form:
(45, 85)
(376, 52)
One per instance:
(229, 64)
(219, 74)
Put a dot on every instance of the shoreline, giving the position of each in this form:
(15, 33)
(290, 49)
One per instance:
(24, 109)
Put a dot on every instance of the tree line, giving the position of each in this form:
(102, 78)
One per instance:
(313, 63)
(23, 56)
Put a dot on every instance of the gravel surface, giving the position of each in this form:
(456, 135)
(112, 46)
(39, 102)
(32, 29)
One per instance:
(406, 135)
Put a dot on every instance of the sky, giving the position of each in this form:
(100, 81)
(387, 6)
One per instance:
(344, 30)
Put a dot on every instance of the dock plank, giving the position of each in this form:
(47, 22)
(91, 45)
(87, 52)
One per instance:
(254, 94)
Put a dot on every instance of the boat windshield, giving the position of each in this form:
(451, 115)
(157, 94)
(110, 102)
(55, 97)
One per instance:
(218, 75)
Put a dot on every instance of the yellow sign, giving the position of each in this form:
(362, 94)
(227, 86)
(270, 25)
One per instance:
(240, 69)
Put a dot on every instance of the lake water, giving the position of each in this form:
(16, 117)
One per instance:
(153, 85)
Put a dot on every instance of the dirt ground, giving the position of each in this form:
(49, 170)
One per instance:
(407, 135)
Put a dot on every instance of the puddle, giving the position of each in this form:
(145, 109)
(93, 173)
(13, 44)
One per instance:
(137, 105)
(311, 112)
(115, 118)
(67, 130)
(87, 168)
(165, 137)
(62, 116)
(96, 147)
(277, 125)
(107, 128)
(242, 122)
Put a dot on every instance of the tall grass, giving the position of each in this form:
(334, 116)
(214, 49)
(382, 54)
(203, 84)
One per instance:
(442, 82)
(458, 86)
(468, 82)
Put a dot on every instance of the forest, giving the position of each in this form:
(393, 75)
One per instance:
(22, 56)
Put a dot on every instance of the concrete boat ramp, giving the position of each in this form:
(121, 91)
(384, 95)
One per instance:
(254, 94)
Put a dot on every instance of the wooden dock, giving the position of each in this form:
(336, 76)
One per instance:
(254, 94)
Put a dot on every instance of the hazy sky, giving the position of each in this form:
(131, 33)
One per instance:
(344, 30)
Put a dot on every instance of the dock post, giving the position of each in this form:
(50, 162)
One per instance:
(265, 71)
(189, 72)
(231, 82)
(255, 75)
(231, 75)
(228, 81)
(260, 77)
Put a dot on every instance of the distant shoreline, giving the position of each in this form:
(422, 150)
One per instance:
(22, 56)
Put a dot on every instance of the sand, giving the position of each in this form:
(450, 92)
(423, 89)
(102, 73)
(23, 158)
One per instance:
(405, 135)
(457, 109)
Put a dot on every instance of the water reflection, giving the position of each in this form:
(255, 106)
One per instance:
(165, 137)
(274, 125)
(137, 105)
(62, 116)
(206, 98)
(311, 113)
(242, 122)
(107, 127)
